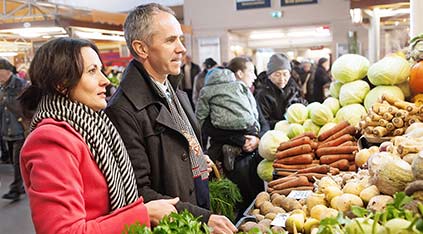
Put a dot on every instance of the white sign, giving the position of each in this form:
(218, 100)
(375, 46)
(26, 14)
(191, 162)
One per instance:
(280, 220)
(300, 194)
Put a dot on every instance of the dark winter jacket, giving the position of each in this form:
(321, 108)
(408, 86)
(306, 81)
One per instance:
(158, 151)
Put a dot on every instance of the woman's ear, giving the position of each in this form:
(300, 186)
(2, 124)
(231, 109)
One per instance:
(140, 48)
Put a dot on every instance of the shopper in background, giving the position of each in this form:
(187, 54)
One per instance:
(12, 129)
(76, 169)
(190, 70)
(199, 80)
(321, 80)
(237, 149)
(156, 120)
(279, 91)
(308, 79)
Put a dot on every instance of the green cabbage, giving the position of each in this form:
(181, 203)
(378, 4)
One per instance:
(265, 170)
(351, 113)
(311, 106)
(282, 126)
(295, 130)
(270, 142)
(309, 126)
(390, 70)
(405, 88)
(376, 93)
(296, 113)
(350, 67)
(321, 115)
(326, 127)
(353, 92)
(332, 103)
(334, 88)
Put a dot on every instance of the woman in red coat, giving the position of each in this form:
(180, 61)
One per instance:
(76, 170)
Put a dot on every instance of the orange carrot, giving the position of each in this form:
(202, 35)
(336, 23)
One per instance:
(348, 130)
(317, 169)
(333, 130)
(314, 145)
(297, 150)
(336, 150)
(348, 143)
(313, 176)
(292, 143)
(306, 134)
(295, 167)
(300, 181)
(342, 164)
(334, 171)
(328, 159)
(336, 141)
(278, 181)
(284, 173)
(352, 167)
(295, 160)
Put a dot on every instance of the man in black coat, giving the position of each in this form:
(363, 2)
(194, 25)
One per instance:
(155, 119)
(190, 71)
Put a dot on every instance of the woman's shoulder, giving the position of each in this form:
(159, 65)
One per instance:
(54, 130)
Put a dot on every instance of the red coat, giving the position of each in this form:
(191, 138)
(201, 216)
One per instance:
(67, 191)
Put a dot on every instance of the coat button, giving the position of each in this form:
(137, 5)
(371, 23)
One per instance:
(184, 156)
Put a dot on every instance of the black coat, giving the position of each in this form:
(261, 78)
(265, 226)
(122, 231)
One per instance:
(195, 69)
(274, 101)
(321, 78)
(158, 151)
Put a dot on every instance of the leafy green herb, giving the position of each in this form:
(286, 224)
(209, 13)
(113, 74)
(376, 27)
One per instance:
(224, 195)
(359, 211)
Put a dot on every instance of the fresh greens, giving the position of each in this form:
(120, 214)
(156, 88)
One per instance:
(177, 223)
(224, 195)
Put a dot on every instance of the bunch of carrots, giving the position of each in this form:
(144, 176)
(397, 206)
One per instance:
(390, 117)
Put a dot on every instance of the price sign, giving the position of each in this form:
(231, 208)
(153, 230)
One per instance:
(280, 220)
(300, 194)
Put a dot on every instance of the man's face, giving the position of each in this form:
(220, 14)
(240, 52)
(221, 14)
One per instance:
(166, 50)
(4, 76)
(280, 77)
(307, 67)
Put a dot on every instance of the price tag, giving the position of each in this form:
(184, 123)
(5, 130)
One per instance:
(280, 220)
(299, 194)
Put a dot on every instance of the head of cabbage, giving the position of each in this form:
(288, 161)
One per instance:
(350, 67)
(320, 115)
(295, 130)
(265, 170)
(376, 93)
(296, 113)
(270, 142)
(335, 88)
(332, 103)
(353, 92)
(311, 106)
(309, 126)
(390, 70)
(282, 126)
(351, 113)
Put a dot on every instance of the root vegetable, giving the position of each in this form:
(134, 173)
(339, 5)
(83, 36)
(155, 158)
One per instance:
(290, 204)
(324, 183)
(342, 164)
(378, 203)
(309, 224)
(398, 132)
(297, 150)
(296, 182)
(333, 130)
(353, 187)
(314, 200)
(388, 116)
(348, 130)
(346, 200)
(299, 159)
(328, 159)
(383, 122)
(331, 192)
(323, 169)
(398, 122)
(261, 198)
(306, 134)
(361, 157)
(292, 143)
(265, 207)
(313, 176)
(348, 143)
(380, 131)
(336, 150)
(367, 193)
(332, 213)
(336, 141)
(295, 223)
(278, 181)
(294, 167)
(317, 211)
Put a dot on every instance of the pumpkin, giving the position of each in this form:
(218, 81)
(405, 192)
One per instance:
(416, 78)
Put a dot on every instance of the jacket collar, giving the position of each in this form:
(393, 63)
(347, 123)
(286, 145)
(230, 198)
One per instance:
(137, 80)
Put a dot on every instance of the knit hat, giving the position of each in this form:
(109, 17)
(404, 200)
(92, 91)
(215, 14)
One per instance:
(278, 62)
(209, 62)
(6, 65)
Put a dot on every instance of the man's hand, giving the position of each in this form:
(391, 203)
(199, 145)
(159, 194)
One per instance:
(251, 143)
(221, 225)
(157, 209)
(209, 163)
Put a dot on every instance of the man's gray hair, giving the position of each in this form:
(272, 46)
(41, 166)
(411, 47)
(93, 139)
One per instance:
(139, 24)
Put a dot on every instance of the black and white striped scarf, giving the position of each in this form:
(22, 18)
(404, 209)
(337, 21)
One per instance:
(198, 162)
(103, 141)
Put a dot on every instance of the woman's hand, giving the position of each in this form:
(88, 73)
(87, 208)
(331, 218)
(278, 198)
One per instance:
(221, 225)
(251, 143)
(157, 209)
(209, 163)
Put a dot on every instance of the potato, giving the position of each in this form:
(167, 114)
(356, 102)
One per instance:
(255, 211)
(277, 229)
(295, 223)
(275, 195)
(324, 183)
(346, 200)
(309, 224)
(277, 201)
(317, 210)
(262, 197)
(378, 203)
(315, 199)
(277, 210)
(289, 204)
(270, 216)
(329, 213)
(259, 217)
(368, 193)
(266, 222)
(332, 191)
(265, 207)
(246, 227)
(361, 157)
(353, 187)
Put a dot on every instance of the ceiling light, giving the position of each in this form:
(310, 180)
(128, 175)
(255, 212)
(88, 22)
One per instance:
(8, 54)
(356, 15)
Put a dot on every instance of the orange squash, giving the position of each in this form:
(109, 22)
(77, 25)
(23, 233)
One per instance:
(416, 78)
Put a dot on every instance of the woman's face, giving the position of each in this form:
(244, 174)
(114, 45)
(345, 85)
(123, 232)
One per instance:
(247, 76)
(91, 88)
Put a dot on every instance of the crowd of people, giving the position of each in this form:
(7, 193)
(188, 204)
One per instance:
(95, 159)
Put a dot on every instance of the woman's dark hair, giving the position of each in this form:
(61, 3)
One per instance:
(321, 61)
(238, 63)
(56, 68)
